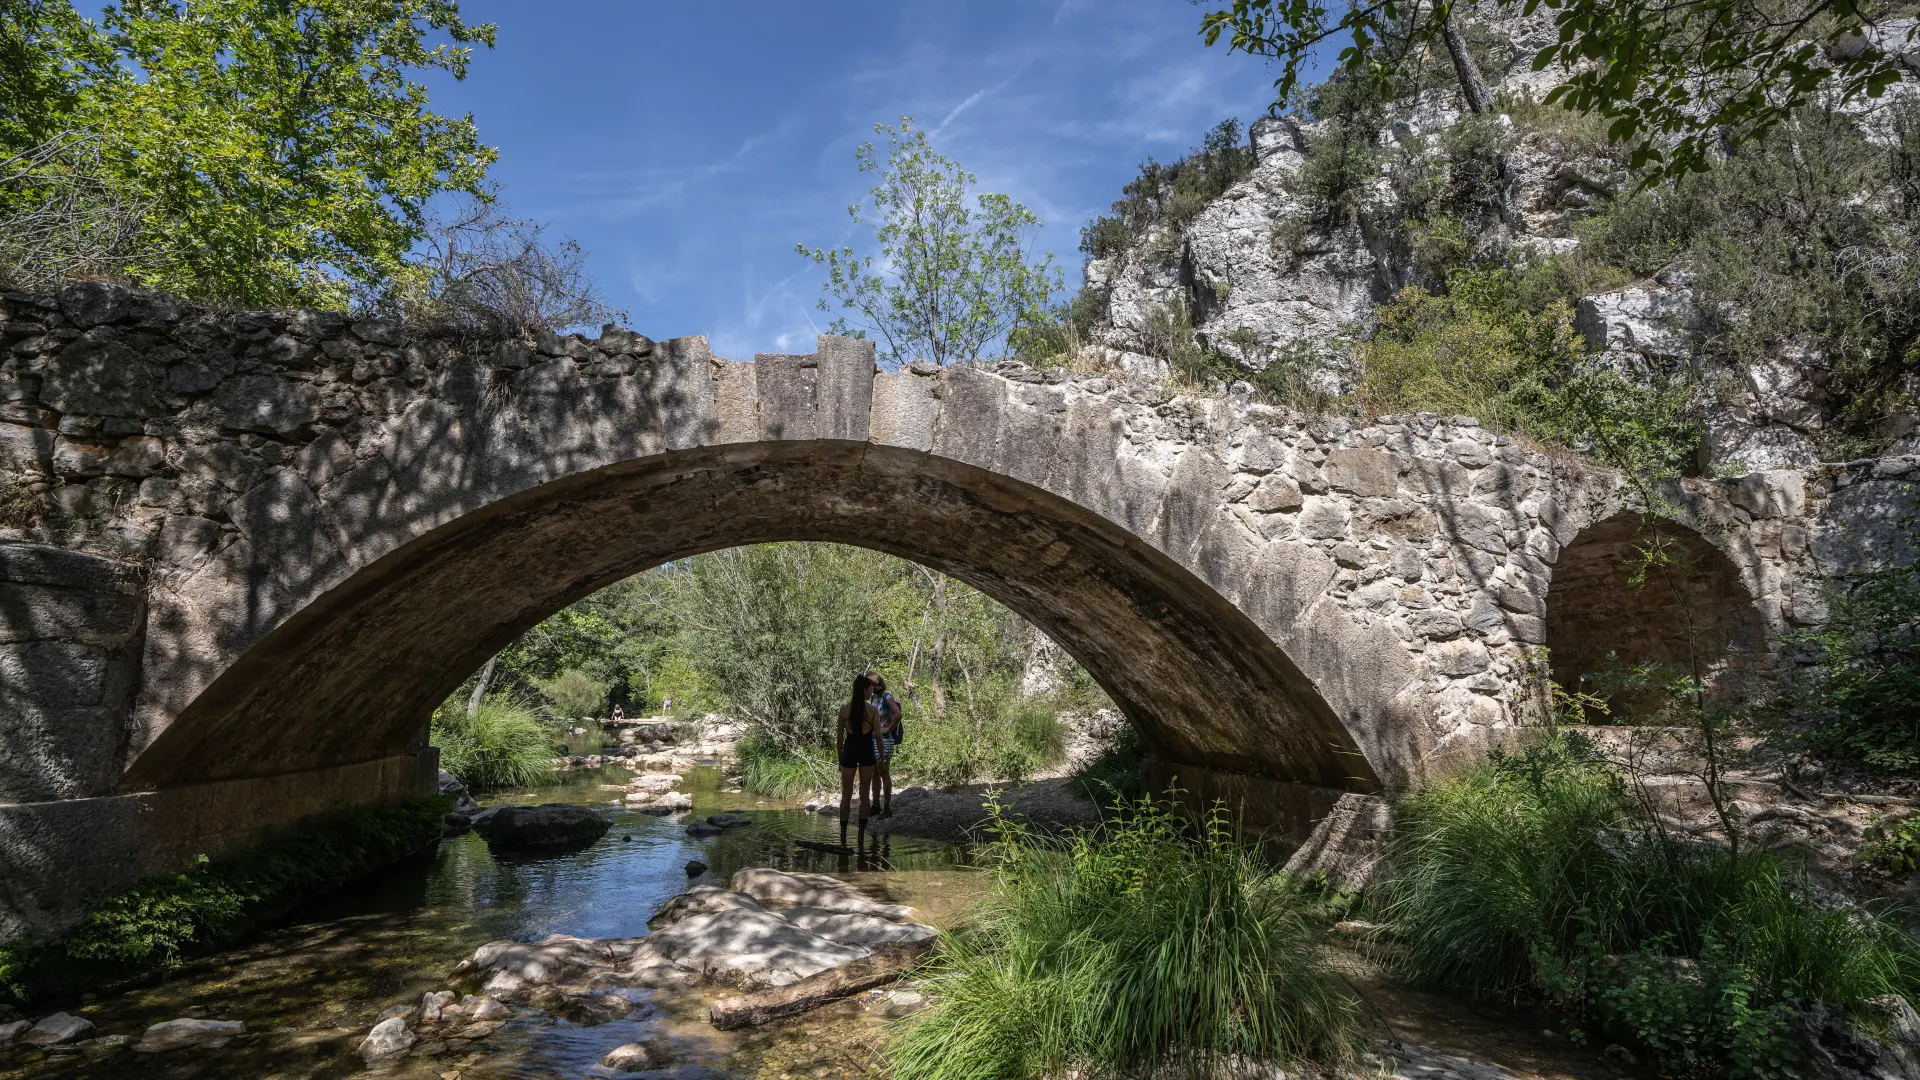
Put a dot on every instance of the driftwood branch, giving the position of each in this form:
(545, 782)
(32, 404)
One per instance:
(888, 963)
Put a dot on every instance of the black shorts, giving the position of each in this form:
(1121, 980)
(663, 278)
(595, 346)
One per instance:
(859, 751)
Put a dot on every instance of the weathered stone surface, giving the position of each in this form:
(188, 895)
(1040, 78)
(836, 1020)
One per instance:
(388, 1040)
(187, 1033)
(547, 825)
(342, 523)
(56, 1030)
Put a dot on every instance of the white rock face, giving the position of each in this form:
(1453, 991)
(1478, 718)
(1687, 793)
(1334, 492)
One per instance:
(187, 1032)
(12, 1031)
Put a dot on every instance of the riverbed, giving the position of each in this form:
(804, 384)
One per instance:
(310, 987)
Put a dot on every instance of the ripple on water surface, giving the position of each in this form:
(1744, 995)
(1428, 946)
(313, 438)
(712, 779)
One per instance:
(310, 988)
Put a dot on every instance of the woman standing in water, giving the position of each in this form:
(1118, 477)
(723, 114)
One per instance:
(858, 739)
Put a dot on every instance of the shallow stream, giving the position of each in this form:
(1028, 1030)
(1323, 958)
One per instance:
(310, 987)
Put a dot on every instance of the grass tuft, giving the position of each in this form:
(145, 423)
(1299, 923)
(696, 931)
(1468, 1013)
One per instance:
(1139, 949)
(1539, 875)
(501, 745)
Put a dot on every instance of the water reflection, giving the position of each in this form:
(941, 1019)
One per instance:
(310, 987)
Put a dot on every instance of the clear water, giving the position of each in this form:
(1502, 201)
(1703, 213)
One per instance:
(309, 989)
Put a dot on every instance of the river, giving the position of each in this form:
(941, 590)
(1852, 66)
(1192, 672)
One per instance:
(310, 986)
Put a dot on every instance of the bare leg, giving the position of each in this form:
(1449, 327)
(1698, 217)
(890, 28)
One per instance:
(886, 786)
(866, 786)
(846, 796)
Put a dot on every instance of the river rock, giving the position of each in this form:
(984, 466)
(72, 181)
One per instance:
(509, 970)
(728, 820)
(13, 1030)
(187, 1032)
(629, 1057)
(489, 1009)
(700, 830)
(749, 947)
(432, 1003)
(388, 1039)
(813, 891)
(548, 825)
(672, 802)
(56, 1029)
(695, 868)
(462, 799)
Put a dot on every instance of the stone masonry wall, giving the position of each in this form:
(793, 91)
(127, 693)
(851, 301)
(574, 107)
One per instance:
(246, 462)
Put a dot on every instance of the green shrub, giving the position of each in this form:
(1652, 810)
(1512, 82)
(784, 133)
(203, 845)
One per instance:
(767, 769)
(1114, 776)
(501, 745)
(1893, 846)
(163, 919)
(1173, 193)
(575, 693)
(1859, 700)
(1136, 950)
(1541, 874)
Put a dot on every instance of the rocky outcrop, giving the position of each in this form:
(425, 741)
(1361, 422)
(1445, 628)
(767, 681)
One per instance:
(1267, 274)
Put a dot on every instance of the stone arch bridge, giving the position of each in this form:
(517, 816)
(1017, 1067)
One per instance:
(249, 552)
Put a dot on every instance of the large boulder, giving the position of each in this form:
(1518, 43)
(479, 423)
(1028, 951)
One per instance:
(510, 970)
(775, 887)
(549, 825)
(750, 948)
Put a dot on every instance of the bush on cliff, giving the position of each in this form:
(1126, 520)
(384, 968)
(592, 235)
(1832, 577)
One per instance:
(1138, 950)
(161, 920)
(1540, 875)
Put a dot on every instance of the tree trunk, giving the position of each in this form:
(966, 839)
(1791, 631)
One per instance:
(937, 656)
(1472, 86)
(480, 686)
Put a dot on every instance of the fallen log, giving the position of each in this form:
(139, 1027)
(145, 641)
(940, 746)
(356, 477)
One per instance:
(886, 964)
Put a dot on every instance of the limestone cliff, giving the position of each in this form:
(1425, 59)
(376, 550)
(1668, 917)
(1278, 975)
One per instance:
(1263, 274)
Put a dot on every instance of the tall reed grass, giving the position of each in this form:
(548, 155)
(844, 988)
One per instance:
(1138, 950)
(1540, 875)
(501, 745)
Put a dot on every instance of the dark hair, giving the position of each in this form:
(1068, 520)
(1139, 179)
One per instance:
(862, 690)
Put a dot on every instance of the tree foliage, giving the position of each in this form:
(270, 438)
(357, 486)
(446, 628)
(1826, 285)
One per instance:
(279, 152)
(952, 279)
(1676, 82)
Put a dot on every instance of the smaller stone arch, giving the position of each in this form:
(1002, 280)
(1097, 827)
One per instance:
(1605, 616)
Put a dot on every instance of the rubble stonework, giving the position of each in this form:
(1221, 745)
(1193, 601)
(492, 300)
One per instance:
(333, 523)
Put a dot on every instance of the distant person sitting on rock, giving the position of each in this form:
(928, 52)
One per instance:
(619, 713)
(886, 709)
(857, 736)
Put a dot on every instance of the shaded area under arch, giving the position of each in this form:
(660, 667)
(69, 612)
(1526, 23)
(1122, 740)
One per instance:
(1611, 610)
(354, 675)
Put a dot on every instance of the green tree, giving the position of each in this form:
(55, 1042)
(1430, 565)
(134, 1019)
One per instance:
(281, 151)
(953, 280)
(1675, 81)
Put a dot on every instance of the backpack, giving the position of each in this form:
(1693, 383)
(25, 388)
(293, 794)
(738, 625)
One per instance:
(900, 725)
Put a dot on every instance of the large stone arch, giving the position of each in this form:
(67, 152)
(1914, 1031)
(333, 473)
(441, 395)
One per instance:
(352, 675)
(272, 539)
(1634, 589)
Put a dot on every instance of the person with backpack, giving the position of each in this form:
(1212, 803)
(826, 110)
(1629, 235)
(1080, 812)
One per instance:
(893, 730)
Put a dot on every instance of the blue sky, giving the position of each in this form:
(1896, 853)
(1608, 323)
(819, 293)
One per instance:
(689, 146)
